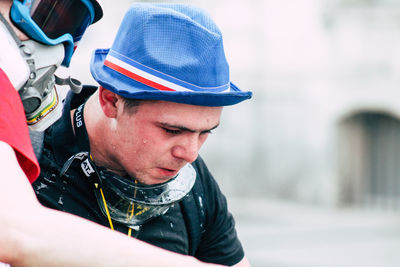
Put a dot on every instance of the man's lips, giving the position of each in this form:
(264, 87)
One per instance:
(168, 172)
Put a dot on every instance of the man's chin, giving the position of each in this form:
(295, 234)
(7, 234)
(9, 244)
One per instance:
(157, 176)
(155, 180)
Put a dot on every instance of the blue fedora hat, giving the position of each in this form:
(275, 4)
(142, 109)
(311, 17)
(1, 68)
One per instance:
(170, 52)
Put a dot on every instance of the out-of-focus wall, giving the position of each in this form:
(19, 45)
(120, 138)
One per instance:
(311, 64)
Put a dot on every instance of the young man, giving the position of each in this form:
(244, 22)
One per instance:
(30, 234)
(128, 151)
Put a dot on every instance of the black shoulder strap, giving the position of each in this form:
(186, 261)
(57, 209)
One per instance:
(194, 214)
(81, 134)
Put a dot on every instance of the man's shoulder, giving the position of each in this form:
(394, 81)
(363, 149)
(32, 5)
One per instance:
(204, 175)
(59, 139)
(77, 99)
(37, 139)
(201, 168)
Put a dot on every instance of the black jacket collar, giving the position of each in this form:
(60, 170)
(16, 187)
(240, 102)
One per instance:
(62, 137)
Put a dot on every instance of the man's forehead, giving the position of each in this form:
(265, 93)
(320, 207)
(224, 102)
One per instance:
(179, 114)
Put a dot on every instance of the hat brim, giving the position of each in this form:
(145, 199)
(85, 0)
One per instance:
(129, 88)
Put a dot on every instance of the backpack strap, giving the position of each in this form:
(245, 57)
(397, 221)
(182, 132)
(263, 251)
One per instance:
(194, 214)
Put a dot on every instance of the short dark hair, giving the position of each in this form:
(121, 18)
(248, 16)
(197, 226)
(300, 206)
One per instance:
(131, 105)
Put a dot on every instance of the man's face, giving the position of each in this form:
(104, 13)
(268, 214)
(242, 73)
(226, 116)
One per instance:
(156, 141)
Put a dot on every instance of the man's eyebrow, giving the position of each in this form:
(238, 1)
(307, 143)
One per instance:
(186, 129)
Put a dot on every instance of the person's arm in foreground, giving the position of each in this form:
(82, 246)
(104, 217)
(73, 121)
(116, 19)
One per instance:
(32, 235)
(243, 263)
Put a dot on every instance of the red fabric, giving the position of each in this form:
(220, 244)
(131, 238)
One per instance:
(13, 128)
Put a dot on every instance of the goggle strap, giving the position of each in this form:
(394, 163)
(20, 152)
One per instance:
(75, 85)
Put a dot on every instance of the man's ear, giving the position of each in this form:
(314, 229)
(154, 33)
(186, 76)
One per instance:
(108, 102)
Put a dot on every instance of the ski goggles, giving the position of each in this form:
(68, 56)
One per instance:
(55, 21)
(127, 201)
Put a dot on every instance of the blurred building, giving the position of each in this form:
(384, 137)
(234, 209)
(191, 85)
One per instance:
(323, 126)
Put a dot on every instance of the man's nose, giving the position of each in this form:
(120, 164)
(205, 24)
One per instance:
(188, 148)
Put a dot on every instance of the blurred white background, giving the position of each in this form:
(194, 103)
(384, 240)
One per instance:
(310, 165)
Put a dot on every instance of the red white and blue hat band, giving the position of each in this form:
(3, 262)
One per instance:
(154, 78)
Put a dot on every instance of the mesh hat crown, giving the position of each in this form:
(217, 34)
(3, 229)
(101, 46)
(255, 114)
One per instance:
(170, 52)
